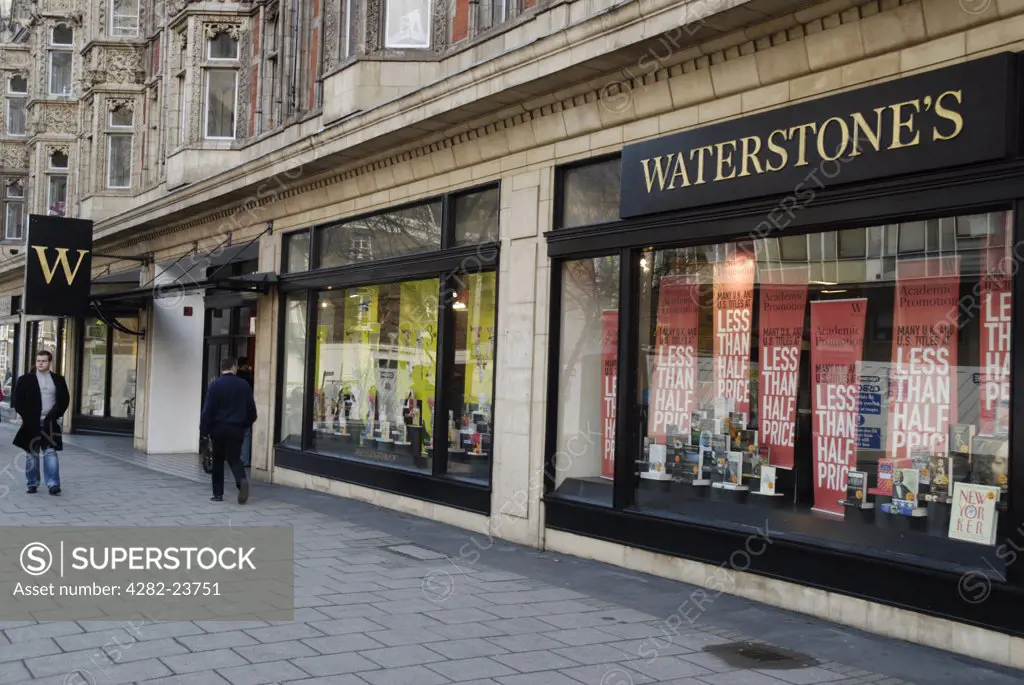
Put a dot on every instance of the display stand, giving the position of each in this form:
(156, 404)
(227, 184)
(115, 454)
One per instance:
(728, 492)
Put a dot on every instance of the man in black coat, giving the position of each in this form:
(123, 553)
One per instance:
(229, 411)
(41, 397)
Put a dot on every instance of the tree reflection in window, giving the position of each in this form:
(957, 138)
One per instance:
(590, 194)
(406, 231)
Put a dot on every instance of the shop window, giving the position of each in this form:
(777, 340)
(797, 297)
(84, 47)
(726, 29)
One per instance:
(293, 372)
(584, 459)
(871, 410)
(376, 366)
(297, 252)
(407, 24)
(471, 387)
(124, 18)
(8, 338)
(94, 369)
(476, 217)
(590, 194)
(108, 371)
(220, 103)
(398, 233)
(123, 359)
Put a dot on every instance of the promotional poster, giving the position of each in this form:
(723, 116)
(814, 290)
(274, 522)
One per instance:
(837, 339)
(609, 377)
(734, 300)
(922, 384)
(996, 307)
(673, 393)
(783, 302)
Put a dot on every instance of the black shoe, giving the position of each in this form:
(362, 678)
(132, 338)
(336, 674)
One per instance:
(32, 489)
(216, 499)
(55, 490)
(243, 491)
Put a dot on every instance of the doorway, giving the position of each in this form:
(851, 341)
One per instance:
(230, 331)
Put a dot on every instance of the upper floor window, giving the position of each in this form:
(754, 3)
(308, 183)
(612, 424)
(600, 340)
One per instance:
(57, 194)
(121, 117)
(124, 18)
(13, 215)
(220, 104)
(407, 24)
(62, 35)
(120, 145)
(17, 100)
(223, 46)
(58, 160)
(60, 60)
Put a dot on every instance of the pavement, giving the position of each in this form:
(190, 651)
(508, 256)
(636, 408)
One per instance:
(389, 599)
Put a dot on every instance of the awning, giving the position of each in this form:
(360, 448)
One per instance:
(218, 270)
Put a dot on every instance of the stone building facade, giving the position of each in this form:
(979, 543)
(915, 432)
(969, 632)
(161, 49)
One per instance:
(379, 149)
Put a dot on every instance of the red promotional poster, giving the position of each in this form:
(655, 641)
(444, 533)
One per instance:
(734, 302)
(674, 371)
(922, 382)
(837, 344)
(609, 381)
(995, 304)
(781, 323)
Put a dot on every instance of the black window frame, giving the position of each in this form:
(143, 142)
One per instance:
(83, 423)
(447, 264)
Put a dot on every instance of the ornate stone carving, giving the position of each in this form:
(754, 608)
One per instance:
(51, 150)
(17, 59)
(14, 155)
(55, 118)
(119, 103)
(174, 7)
(18, 183)
(439, 25)
(332, 19)
(213, 30)
(123, 65)
(373, 21)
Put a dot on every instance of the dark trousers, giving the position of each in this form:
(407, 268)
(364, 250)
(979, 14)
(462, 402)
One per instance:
(229, 450)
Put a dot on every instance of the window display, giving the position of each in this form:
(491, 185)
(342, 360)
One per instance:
(587, 390)
(471, 394)
(293, 372)
(864, 387)
(94, 369)
(376, 367)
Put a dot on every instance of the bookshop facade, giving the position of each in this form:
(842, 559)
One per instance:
(784, 344)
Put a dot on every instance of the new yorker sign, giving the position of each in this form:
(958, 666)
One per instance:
(944, 118)
(58, 266)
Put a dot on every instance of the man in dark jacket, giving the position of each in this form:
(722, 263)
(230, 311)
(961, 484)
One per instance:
(41, 398)
(228, 413)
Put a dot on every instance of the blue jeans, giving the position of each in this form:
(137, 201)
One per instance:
(247, 448)
(51, 468)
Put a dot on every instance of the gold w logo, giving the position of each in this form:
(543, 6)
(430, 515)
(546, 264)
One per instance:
(62, 261)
